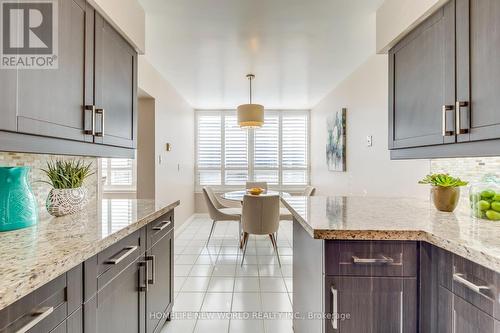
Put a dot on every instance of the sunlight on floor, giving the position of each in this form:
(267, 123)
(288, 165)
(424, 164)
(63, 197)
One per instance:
(215, 294)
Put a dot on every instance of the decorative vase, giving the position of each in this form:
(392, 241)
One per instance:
(445, 198)
(18, 208)
(62, 202)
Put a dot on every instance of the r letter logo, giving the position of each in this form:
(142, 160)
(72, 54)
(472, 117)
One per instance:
(29, 37)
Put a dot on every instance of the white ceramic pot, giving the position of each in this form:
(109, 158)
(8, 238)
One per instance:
(62, 202)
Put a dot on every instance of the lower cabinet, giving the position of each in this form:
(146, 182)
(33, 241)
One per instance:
(54, 307)
(120, 303)
(129, 285)
(371, 304)
(159, 297)
(459, 316)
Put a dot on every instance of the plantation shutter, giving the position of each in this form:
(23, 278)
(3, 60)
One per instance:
(209, 149)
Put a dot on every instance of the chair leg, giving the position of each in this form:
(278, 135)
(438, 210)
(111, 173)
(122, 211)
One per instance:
(240, 235)
(211, 231)
(245, 243)
(275, 246)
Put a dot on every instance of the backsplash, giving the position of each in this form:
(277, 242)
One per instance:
(37, 162)
(471, 169)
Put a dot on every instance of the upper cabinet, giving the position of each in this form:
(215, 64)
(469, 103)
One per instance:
(115, 87)
(478, 70)
(444, 78)
(87, 104)
(50, 100)
(422, 83)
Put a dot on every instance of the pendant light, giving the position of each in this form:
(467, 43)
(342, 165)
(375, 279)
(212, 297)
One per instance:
(250, 115)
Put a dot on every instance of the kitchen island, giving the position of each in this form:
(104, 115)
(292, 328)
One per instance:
(67, 272)
(392, 265)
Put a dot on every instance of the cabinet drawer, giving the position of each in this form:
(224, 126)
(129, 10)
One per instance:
(472, 282)
(371, 258)
(45, 308)
(159, 228)
(371, 304)
(103, 267)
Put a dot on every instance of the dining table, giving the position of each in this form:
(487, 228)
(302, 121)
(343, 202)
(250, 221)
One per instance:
(238, 195)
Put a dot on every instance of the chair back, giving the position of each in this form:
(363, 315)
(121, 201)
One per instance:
(309, 191)
(212, 204)
(260, 214)
(250, 185)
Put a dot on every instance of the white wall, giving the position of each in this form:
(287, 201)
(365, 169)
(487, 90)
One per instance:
(126, 16)
(146, 149)
(174, 123)
(395, 18)
(369, 169)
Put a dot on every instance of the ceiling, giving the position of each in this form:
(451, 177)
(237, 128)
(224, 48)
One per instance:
(298, 49)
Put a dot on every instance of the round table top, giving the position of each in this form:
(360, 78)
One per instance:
(238, 195)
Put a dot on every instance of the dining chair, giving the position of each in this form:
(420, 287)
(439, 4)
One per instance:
(262, 185)
(218, 212)
(309, 191)
(260, 216)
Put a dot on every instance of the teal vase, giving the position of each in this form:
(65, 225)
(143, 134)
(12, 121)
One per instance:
(18, 208)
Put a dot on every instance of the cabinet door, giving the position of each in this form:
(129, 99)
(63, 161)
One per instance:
(115, 87)
(458, 316)
(8, 107)
(50, 101)
(422, 82)
(120, 304)
(478, 68)
(371, 304)
(160, 294)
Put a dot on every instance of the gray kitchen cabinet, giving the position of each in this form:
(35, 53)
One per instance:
(422, 83)
(115, 87)
(371, 304)
(478, 69)
(450, 61)
(50, 101)
(459, 316)
(359, 286)
(85, 106)
(159, 297)
(47, 308)
(120, 304)
(8, 89)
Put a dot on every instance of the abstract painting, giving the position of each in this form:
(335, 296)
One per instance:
(336, 141)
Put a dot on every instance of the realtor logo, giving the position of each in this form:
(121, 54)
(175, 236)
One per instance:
(29, 38)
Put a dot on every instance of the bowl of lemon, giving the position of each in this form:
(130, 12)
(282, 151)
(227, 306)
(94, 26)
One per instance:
(256, 191)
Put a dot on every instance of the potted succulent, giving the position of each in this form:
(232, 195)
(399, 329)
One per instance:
(68, 195)
(445, 190)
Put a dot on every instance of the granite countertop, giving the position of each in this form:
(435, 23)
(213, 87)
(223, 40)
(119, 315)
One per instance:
(376, 218)
(34, 256)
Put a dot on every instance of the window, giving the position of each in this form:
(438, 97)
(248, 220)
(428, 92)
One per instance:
(118, 174)
(228, 156)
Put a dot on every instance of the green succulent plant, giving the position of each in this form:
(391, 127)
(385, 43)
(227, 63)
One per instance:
(443, 180)
(67, 174)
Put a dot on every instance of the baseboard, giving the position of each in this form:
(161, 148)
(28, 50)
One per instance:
(183, 225)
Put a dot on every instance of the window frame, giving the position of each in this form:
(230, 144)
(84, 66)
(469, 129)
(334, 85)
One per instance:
(132, 188)
(251, 150)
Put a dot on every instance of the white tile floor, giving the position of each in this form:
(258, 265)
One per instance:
(214, 294)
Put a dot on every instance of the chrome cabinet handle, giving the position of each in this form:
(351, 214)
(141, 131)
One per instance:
(38, 315)
(381, 260)
(87, 109)
(458, 107)
(334, 321)
(100, 112)
(144, 287)
(162, 225)
(457, 277)
(152, 258)
(115, 261)
(445, 109)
